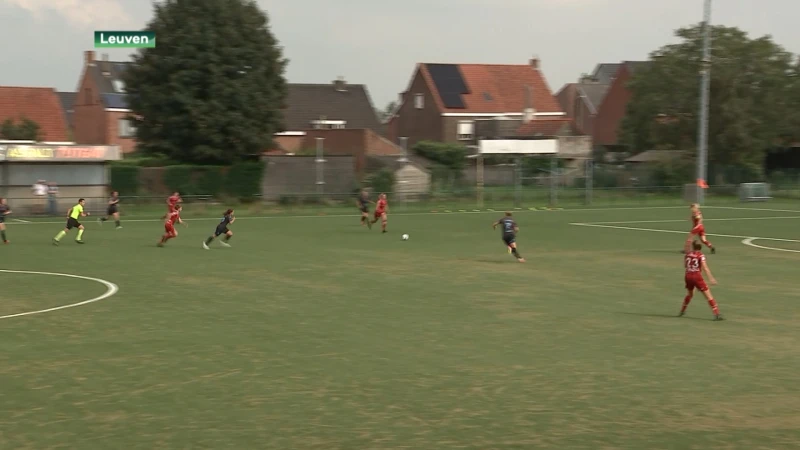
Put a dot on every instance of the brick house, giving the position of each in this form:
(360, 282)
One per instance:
(606, 124)
(41, 105)
(337, 105)
(581, 101)
(100, 108)
(443, 101)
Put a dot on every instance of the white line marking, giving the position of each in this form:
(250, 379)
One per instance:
(111, 290)
(737, 208)
(22, 221)
(704, 220)
(749, 241)
(322, 216)
(678, 232)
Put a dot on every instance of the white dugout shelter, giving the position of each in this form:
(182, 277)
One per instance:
(518, 148)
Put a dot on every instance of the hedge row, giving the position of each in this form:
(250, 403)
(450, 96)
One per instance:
(242, 180)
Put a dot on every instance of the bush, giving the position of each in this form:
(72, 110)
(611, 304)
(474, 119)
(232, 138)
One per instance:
(382, 181)
(244, 180)
(125, 178)
(179, 179)
(207, 180)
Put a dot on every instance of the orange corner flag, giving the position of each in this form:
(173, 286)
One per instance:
(702, 183)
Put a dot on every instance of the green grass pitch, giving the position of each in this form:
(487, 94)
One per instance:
(315, 333)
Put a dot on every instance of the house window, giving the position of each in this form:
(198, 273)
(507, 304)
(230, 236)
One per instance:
(328, 124)
(466, 130)
(126, 128)
(419, 101)
(119, 86)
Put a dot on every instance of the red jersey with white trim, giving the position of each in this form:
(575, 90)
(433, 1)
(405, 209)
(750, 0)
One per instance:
(173, 200)
(380, 206)
(173, 217)
(693, 261)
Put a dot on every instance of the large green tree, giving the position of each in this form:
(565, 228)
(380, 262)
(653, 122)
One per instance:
(751, 99)
(212, 90)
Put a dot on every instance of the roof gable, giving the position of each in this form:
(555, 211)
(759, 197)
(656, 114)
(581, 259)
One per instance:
(40, 105)
(107, 77)
(491, 88)
(593, 94)
(308, 102)
(605, 73)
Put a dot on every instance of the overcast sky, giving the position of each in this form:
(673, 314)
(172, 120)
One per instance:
(378, 42)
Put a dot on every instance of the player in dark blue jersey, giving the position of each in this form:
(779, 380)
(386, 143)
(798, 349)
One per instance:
(510, 229)
(113, 210)
(222, 228)
(4, 211)
(363, 205)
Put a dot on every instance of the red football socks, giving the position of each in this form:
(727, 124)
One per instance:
(714, 307)
(686, 303)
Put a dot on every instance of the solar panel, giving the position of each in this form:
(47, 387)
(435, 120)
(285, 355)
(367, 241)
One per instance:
(449, 83)
(452, 100)
(115, 101)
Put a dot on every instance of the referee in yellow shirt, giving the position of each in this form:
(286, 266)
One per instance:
(75, 213)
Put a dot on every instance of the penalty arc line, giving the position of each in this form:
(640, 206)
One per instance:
(749, 242)
(111, 289)
(652, 230)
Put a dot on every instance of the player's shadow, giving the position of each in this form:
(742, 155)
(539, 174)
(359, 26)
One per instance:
(494, 261)
(661, 316)
(674, 252)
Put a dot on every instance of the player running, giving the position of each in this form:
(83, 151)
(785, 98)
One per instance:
(381, 211)
(173, 200)
(510, 230)
(75, 213)
(695, 263)
(169, 225)
(222, 228)
(4, 211)
(698, 229)
(113, 210)
(363, 205)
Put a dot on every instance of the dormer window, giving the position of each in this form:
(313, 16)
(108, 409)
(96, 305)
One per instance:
(119, 86)
(328, 124)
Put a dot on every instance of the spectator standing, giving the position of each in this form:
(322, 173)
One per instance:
(39, 190)
(52, 198)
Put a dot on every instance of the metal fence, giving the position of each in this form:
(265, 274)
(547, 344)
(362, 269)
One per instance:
(466, 199)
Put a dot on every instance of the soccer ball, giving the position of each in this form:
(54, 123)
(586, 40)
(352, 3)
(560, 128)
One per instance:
(405, 237)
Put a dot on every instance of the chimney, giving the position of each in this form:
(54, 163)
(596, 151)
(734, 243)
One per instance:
(529, 113)
(105, 66)
(88, 57)
(534, 62)
(340, 84)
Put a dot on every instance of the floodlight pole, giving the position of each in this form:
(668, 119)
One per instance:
(705, 88)
(320, 174)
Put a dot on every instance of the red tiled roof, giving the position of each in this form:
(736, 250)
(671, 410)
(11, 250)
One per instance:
(495, 88)
(40, 105)
(543, 127)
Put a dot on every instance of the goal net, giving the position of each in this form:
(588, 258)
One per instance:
(754, 192)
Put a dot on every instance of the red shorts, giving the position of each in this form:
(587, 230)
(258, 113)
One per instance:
(170, 229)
(699, 230)
(379, 214)
(695, 282)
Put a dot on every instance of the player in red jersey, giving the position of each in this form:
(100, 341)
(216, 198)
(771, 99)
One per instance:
(698, 229)
(381, 210)
(169, 225)
(173, 200)
(695, 264)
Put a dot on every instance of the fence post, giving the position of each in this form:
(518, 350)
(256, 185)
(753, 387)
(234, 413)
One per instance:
(589, 180)
(553, 182)
(518, 182)
(480, 180)
(320, 169)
